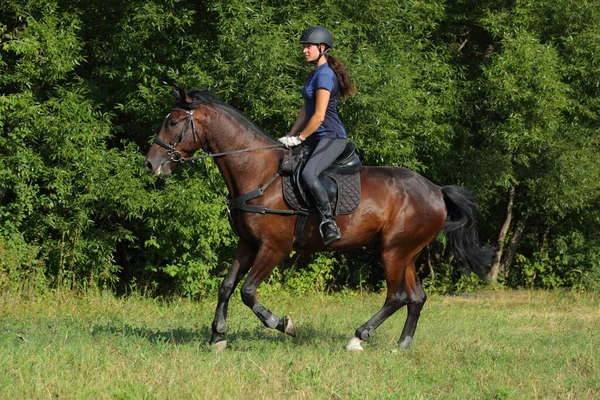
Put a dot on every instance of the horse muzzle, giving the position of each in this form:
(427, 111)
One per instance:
(158, 169)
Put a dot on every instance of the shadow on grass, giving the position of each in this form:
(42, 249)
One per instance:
(308, 335)
(173, 336)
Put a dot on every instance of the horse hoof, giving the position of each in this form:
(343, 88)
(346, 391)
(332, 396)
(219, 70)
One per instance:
(288, 326)
(354, 345)
(219, 346)
(405, 344)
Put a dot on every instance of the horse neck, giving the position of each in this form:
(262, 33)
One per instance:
(245, 171)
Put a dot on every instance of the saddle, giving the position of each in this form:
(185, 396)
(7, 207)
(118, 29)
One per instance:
(341, 180)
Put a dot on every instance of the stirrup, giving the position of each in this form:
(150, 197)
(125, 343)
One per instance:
(334, 232)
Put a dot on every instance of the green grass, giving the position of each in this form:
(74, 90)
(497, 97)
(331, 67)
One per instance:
(505, 345)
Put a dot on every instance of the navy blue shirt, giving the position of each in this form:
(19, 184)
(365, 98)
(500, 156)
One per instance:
(323, 77)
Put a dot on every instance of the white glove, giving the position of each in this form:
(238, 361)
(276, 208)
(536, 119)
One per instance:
(290, 141)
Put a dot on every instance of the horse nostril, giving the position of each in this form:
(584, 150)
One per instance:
(148, 166)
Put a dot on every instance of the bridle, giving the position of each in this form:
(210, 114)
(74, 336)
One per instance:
(175, 155)
(238, 203)
(171, 148)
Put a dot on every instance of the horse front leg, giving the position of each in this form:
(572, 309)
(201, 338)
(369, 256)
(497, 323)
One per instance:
(266, 260)
(243, 260)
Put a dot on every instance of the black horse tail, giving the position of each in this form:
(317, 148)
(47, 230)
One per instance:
(461, 232)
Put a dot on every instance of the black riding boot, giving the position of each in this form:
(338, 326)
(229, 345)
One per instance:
(328, 228)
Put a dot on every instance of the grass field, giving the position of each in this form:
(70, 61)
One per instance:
(498, 345)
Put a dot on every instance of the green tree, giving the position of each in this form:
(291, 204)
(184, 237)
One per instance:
(75, 199)
(500, 97)
(55, 165)
(526, 143)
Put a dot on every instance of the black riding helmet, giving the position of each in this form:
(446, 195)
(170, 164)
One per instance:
(317, 35)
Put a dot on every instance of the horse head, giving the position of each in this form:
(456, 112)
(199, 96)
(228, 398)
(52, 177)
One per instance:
(178, 137)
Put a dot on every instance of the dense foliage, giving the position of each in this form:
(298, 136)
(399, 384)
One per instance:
(500, 97)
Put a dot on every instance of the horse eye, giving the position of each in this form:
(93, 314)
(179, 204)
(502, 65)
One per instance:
(173, 123)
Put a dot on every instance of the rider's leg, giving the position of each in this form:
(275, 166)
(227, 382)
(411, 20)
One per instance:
(326, 151)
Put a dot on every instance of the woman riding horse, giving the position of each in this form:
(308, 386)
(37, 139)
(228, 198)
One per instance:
(318, 124)
(400, 211)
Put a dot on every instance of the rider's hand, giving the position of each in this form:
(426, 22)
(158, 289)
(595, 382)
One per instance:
(290, 141)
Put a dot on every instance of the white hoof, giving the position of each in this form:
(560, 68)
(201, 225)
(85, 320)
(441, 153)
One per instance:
(405, 344)
(288, 326)
(219, 346)
(354, 345)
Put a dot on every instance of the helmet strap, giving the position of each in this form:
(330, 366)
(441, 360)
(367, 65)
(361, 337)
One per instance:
(321, 54)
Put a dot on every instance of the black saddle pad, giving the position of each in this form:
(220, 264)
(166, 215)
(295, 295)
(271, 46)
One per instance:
(346, 201)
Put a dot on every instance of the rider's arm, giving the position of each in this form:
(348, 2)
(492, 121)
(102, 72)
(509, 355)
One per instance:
(299, 124)
(319, 116)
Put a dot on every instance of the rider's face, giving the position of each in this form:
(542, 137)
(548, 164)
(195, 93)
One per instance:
(311, 52)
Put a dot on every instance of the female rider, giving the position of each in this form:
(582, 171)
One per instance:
(318, 122)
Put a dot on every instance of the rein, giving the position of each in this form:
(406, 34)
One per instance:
(226, 153)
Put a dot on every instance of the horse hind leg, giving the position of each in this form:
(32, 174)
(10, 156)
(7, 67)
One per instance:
(364, 333)
(396, 268)
(416, 298)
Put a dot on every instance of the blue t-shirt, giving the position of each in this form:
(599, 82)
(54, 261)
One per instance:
(323, 77)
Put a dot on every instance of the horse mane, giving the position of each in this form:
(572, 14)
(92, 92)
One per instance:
(202, 96)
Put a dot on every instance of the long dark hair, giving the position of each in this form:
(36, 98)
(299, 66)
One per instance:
(346, 86)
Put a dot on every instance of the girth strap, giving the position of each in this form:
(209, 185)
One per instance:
(239, 203)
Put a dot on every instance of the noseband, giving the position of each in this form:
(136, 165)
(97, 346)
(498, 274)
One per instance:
(171, 148)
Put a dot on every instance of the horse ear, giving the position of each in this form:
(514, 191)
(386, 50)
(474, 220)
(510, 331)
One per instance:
(180, 95)
(179, 92)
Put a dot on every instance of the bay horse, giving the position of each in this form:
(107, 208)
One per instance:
(399, 210)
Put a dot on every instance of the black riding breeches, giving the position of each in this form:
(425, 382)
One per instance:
(325, 153)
